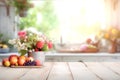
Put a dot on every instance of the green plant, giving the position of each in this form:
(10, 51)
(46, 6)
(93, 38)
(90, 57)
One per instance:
(4, 41)
(1, 38)
(48, 23)
(21, 5)
(29, 20)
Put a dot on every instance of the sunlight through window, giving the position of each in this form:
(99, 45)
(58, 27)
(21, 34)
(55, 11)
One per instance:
(79, 18)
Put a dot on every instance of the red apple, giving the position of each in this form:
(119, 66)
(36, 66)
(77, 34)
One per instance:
(21, 61)
(38, 62)
(13, 59)
(6, 62)
(5, 59)
(13, 56)
(29, 59)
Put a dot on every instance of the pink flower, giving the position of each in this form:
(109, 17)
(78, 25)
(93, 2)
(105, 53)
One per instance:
(22, 34)
(40, 44)
(50, 45)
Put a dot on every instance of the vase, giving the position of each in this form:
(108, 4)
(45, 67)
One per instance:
(40, 55)
(113, 47)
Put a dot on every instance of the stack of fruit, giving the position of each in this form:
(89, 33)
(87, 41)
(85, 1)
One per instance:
(14, 60)
(90, 46)
(4, 48)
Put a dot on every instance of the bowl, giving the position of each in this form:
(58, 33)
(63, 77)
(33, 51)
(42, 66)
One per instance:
(4, 50)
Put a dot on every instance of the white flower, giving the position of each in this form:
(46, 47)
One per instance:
(33, 50)
(16, 46)
(25, 40)
(19, 44)
(30, 51)
(41, 39)
(31, 29)
(23, 46)
(13, 41)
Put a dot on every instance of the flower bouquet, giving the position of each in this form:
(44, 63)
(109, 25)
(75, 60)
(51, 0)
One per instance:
(112, 34)
(30, 42)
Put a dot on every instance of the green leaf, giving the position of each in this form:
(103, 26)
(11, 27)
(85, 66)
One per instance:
(1, 35)
(28, 45)
(22, 52)
(45, 48)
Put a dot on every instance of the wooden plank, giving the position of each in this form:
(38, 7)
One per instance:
(12, 73)
(38, 73)
(60, 71)
(81, 72)
(3, 69)
(113, 66)
(101, 71)
(117, 63)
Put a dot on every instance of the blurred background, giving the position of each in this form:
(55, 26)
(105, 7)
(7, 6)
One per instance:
(63, 21)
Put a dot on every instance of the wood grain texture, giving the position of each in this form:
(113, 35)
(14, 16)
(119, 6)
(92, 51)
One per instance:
(64, 71)
(101, 71)
(60, 71)
(12, 73)
(3, 69)
(113, 66)
(81, 72)
(38, 73)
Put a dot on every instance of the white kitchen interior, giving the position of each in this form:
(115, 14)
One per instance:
(59, 40)
(106, 13)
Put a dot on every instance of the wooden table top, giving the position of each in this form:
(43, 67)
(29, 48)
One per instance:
(64, 71)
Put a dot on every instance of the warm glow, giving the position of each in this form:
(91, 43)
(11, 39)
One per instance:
(79, 14)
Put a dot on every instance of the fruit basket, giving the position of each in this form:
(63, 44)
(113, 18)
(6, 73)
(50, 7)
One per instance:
(15, 61)
(26, 66)
(91, 50)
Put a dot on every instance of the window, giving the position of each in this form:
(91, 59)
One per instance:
(73, 20)
(79, 19)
